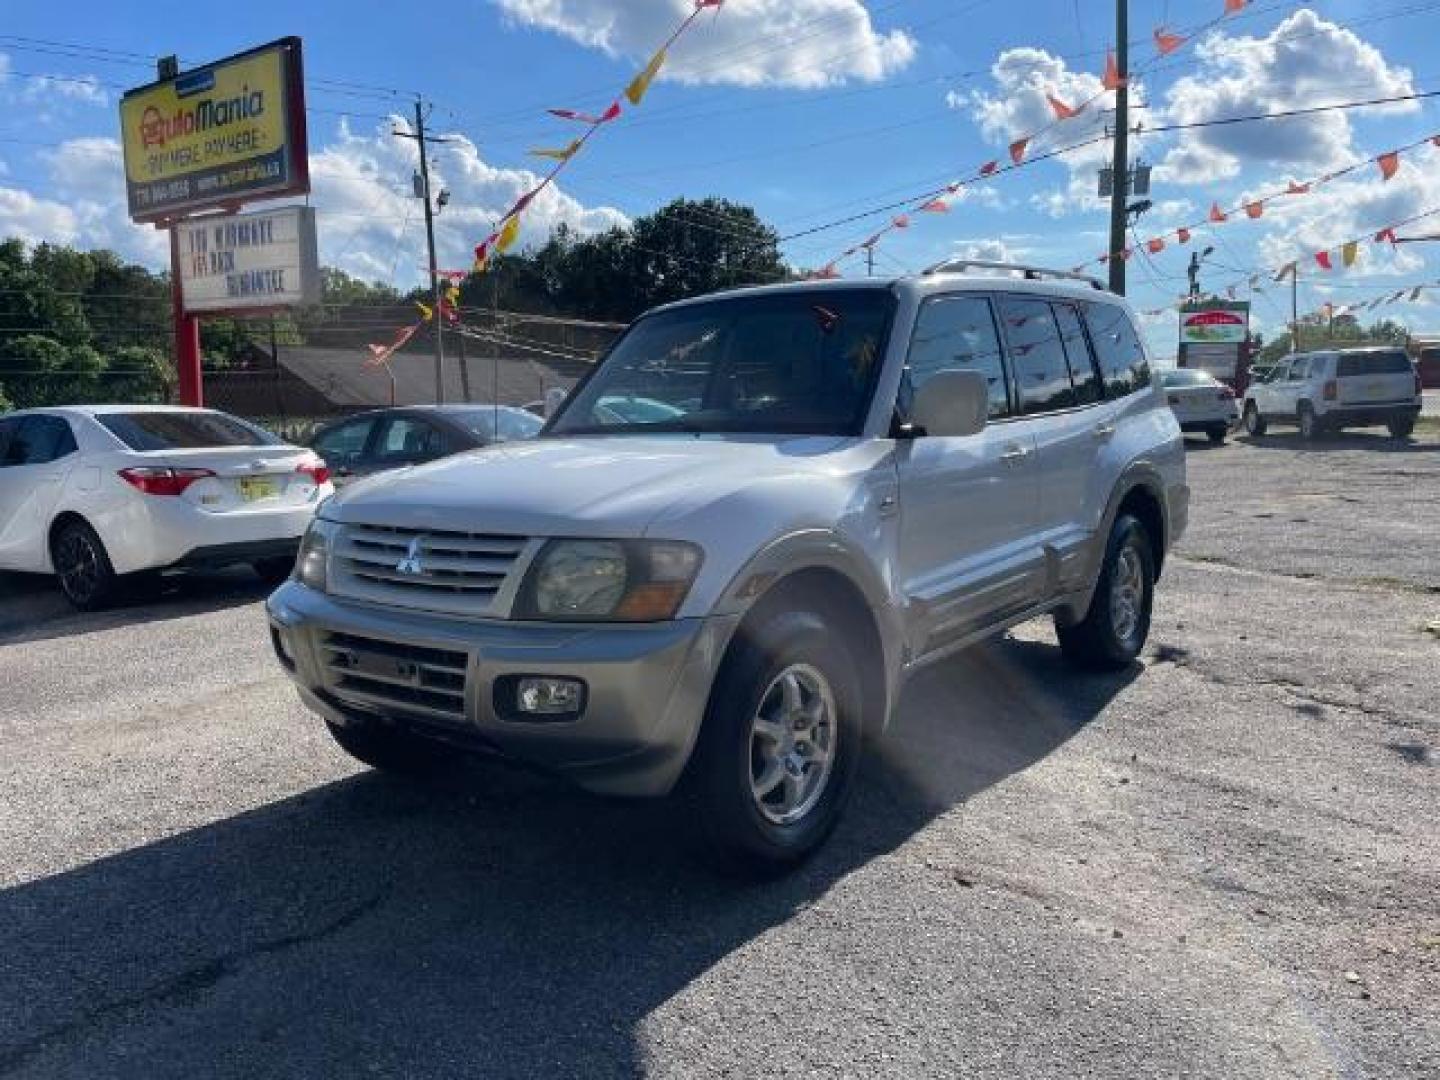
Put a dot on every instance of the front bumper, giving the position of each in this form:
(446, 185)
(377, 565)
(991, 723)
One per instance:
(646, 684)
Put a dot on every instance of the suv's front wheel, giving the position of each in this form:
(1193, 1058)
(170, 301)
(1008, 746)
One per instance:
(1115, 627)
(780, 743)
(1254, 423)
(1401, 427)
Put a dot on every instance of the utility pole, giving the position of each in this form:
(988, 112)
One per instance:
(437, 322)
(1295, 307)
(1119, 195)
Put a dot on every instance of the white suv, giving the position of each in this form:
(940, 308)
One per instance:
(836, 484)
(1328, 391)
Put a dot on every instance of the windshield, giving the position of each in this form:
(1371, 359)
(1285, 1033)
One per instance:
(801, 362)
(1184, 377)
(183, 430)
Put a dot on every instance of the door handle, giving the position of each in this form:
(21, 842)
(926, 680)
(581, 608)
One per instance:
(1104, 431)
(1014, 454)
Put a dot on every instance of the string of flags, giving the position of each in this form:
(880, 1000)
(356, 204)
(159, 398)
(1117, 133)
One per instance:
(1019, 149)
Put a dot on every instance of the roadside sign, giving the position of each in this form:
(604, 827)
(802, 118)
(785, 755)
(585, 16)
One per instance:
(219, 135)
(245, 262)
(1213, 336)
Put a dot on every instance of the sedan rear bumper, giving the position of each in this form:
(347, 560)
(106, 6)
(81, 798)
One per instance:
(1378, 413)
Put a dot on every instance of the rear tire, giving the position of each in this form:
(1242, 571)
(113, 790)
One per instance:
(1254, 423)
(1216, 433)
(273, 572)
(1309, 422)
(82, 567)
(1402, 427)
(780, 744)
(1115, 627)
(390, 749)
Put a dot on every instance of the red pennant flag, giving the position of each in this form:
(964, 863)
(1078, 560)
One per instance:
(1323, 258)
(989, 167)
(701, 4)
(1297, 189)
(1017, 150)
(936, 206)
(1155, 246)
(1254, 209)
(901, 222)
(1389, 163)
(1067, 112)
(1112, 80)
(1385, 234)
(1216, 214)
(1183, 235)
(585, 118)
(1167, 43)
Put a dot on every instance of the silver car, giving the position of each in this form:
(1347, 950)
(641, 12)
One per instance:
(851, 480)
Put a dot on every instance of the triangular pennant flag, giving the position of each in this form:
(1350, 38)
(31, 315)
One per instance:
(1216, 214)
(901, 222)
(936, 206)
(641, 83)
(1167, 43)
(426, 312)
(1389, 163)
(1155, 246)
(1384, 235)
(452, 294)
(1349, 251)
(1288, 270)
(1232, 6)
(1254, 209)
(585, 118)
(564, 153)
(1183, 235)
(482, 257)
(508, 233)
(1323, 258)
(1067, 112)
(1297, 189)
(1017, 150)
(989, 167)
(1113, 80)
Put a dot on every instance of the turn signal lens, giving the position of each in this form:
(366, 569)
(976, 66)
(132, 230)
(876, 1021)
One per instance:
(162, 480)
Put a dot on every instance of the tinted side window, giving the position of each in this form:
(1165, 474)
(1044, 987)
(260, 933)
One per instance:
(1084, 375)
(39, 440)
(1385, 363)
(1036, 355)
(957, 333)
(344, 445)
(1122, 358)
(404, 439)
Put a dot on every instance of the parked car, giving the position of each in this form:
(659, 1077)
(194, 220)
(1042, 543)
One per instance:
(1200, 402)
(93, 493)
(1330, 390)
(863, 478)
(372, 442)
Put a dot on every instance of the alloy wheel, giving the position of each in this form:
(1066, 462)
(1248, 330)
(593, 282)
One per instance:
(1127, 594)
(78, 564)
(792, 744)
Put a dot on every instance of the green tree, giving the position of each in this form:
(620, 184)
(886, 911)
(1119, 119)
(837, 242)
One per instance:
(42, 371)
(5, 405)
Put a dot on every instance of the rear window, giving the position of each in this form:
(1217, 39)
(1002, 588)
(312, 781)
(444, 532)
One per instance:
(183, 430)
(1188, 377)
(1376, 363)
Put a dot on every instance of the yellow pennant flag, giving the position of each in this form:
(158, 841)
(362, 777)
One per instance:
(1349, 251)
(425, 312)
(452, 294)
(564, 153)
(508, 232)
(636, 90)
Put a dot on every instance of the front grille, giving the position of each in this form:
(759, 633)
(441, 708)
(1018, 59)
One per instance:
(457, 573)
(392, 675)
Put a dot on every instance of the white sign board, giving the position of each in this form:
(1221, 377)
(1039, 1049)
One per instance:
(243, 262)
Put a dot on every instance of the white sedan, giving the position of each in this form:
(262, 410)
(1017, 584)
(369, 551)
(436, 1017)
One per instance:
(1200, 402)
(90, 493)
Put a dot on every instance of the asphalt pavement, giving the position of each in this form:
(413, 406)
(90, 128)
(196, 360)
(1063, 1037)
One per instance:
(1222, 863)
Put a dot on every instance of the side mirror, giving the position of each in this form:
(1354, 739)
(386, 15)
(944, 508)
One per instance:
(952, 403)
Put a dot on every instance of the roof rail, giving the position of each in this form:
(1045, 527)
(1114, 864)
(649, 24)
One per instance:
(1029, 273)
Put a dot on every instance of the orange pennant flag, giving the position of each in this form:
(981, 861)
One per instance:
(1254, 209)
(641, 83)
(1067, 112)
(1297, 189)
(1389, 163)
(1183, 235)
(1323, 258)
(1216, 214)
(937, 206)
(1017, 150)
(1155, 246)
(901, 222)
(1113, 79)
(989, 167)
(1167, 43)
(1349, 252)
(1234, 6)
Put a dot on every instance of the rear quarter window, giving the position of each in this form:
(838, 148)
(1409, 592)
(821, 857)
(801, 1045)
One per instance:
(142, 431)
(1117, 346)
(1381, 363)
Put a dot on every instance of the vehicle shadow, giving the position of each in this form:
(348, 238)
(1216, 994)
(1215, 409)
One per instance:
(1202, 442)
(32, 607)
(1377, 442)
(497, 924)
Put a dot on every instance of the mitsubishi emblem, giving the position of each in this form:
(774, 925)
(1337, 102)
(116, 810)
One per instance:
(411, 564)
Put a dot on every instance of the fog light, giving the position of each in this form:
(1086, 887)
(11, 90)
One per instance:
(541, 695)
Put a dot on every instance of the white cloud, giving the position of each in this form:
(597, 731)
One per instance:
(34, 220)
(85, 89)
(801, 43)
(1304, 61)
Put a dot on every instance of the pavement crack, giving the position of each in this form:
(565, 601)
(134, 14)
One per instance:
(183, 985)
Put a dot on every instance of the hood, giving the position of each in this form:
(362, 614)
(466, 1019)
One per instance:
(613, 486)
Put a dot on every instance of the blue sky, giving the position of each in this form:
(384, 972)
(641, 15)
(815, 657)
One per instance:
(807, 109)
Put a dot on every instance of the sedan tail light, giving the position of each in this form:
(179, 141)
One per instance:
(162, 480)
(1331, 390)
(316, 469)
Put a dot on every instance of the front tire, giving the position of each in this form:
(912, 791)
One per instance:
(780, 743)
(1115, 627)
(83, 567)
(1254, 423)
(1401, 427)
(390, 749)
(1309, 422)
(1216, 433)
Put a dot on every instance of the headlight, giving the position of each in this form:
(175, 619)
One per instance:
(608, 580)
(314, 555)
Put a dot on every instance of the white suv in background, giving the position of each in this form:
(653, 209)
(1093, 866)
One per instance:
(91, 493)
(834, 484)
(1331, 390)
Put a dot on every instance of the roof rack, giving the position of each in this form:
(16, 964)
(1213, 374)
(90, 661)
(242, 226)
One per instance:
(1029, 273)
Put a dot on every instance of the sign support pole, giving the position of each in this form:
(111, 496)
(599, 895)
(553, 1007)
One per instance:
(1120, 161)
(187, 334)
